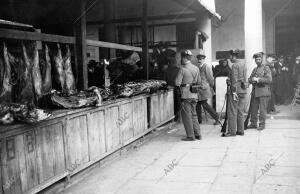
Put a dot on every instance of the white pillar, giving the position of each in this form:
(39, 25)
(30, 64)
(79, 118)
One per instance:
(253, 31)
(204, 25)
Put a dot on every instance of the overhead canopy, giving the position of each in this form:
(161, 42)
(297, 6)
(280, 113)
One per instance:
(199, 5)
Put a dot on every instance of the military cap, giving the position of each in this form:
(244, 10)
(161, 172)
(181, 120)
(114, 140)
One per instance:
(234, 52)
(201, 55)
(259, 54)
(186, 53)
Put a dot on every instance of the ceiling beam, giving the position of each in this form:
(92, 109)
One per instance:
(138, 19)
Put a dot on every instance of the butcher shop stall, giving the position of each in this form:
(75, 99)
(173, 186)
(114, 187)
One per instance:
(68, 101)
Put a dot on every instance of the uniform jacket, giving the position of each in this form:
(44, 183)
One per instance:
(188, 74)
(238, 75)
(207, 82)
(262, 88)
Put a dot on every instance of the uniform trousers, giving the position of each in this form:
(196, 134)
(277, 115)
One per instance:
(208, 108)
(235, 113)
(271, 103)
(261, 104)
(189, 117)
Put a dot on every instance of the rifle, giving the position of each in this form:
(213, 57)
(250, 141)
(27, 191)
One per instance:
(224, 126)
(249, 112)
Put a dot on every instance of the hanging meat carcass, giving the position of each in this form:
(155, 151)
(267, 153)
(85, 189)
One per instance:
(6, 86)
(47, 82)
(36, 73)
(70, 80)
(26, 95)
(60, 73)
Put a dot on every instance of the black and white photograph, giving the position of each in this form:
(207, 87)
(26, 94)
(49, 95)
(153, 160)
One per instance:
(149, 97)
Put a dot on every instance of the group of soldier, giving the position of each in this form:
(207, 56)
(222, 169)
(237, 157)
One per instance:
(194, 81)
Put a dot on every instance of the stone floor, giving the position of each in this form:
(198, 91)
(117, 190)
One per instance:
(266, 162)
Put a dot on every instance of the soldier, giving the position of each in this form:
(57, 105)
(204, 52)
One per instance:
(206, 92)
(188, 75)
(236, 96)
(260, 78)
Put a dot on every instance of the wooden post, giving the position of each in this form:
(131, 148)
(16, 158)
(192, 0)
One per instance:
(80, 47)
(109, 34)
(145, 46)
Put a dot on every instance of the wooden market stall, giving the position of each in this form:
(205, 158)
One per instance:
(35, 156)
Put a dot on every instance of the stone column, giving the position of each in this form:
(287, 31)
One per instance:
(253, 31)
(203, 24)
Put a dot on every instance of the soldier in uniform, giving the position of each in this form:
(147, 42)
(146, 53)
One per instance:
(206, 91)
(260, 78)
(236, 96)
(187, 75)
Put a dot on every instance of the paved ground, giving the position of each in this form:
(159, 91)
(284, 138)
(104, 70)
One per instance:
(265, 162)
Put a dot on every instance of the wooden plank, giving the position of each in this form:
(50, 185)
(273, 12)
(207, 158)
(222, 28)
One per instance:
(97, 43)
(161, 106)
(112, 131)
(58, 147)
(11, 153)
(154, 110)
(139, 116)
(125, 121)
(77, 142)
(96, 134)
(171, 103)
(35, 36)
(45, 153)
(30, 160)
(44, 185)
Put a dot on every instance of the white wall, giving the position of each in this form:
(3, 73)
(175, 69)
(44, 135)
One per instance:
(230, 33)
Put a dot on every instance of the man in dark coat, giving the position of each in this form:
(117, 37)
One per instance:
(260, 78)
(222, 70)
(206, 91)
(171, 74)
(188, 74)
(236, 96)
(271, 104)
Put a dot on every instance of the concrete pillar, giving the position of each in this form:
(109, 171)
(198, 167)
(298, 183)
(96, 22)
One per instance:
(253, 31)
(203, 24)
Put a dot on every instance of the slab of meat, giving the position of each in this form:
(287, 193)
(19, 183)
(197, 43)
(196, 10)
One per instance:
(90, 97)
(70, 80)
(36, 74)
(26, 88)
(21, 112)
(60, 73)
(6, 86)
(47, 82)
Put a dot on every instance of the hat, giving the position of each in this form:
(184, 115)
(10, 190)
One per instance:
(186, 53)
(259, 54)
(201, 54)
(234, 52)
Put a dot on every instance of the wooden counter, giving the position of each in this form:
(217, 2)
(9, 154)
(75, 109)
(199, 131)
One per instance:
(35, 156)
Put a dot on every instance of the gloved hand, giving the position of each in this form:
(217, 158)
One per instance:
(255, 79)
(235, 96)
